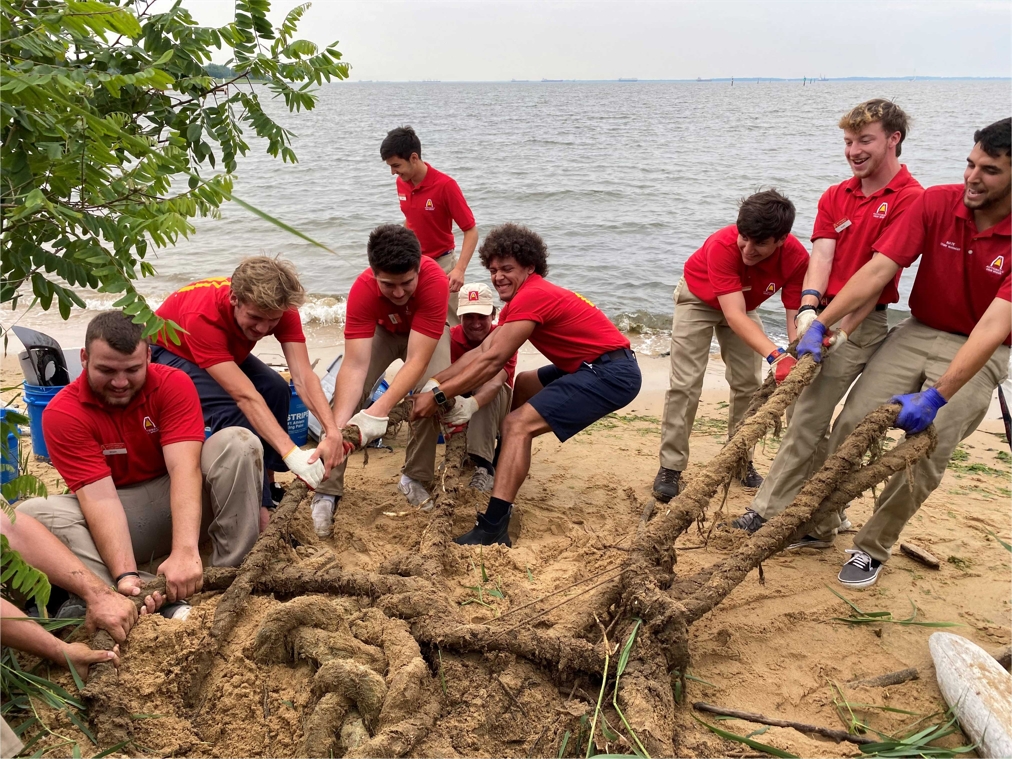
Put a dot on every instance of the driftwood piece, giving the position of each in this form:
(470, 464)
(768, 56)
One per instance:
(801, 727)
(919, 554)
(889, 678)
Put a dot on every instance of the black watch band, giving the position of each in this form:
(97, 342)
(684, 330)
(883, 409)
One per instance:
(440, 397)
(808, 308)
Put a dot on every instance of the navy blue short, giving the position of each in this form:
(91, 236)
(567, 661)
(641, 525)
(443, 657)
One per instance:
(573, 402)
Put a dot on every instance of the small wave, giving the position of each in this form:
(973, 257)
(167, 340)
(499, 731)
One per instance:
(323, 310)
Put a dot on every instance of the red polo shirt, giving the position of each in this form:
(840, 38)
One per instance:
(425, 311)
(569, 329)
(430, 210)
(961, 270)
(89, 440)
(717, 269)
(459, 345)
(856, 221)
(212, 335)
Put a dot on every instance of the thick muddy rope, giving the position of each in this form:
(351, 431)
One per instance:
(840, 474)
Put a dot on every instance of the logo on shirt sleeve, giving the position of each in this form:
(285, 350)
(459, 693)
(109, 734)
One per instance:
(149, 426)
(997, 266)
(429, 206)
(881, 211)
(771, 288)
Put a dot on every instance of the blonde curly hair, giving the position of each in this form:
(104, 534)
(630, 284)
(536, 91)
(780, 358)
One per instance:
(269, 283)
(890, 115)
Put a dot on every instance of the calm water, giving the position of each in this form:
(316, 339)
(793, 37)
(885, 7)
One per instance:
(623, 180)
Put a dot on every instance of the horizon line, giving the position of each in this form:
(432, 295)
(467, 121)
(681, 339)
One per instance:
(698, 80)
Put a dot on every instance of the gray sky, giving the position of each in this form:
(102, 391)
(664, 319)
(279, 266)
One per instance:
(581, 39)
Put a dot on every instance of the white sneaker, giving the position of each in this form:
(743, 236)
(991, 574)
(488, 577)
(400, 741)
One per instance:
(323, 508)
(481, 480)
(416, 493)
(179, 610)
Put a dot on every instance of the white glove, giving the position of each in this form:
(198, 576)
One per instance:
(835, 340)
(369, 427)
(462, 411)
(804, 320)
(298, 464)
(429, 384)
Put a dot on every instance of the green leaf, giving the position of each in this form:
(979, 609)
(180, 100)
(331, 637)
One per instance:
(772, 751)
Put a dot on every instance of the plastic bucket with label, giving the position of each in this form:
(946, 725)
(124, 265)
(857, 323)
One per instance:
(37, 398)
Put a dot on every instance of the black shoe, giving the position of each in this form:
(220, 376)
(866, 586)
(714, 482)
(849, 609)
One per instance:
(750, 521)
(277, 493)
(810, 541)
(486, 533)
(667, 484)
(752, 478)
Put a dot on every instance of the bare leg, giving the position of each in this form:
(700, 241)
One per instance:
(518, 432)
(525, 387)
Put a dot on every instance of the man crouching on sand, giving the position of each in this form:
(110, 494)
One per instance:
(593, 371)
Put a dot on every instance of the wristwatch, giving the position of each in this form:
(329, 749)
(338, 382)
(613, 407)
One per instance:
(441, 400)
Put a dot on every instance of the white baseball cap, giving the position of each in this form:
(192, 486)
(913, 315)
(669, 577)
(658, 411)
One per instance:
(475, 299)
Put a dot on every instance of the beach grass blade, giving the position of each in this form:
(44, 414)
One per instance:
(771, 750)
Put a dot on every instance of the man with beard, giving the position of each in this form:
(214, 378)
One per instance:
(128, 439)
(851, 216)
(484, 410)
(942, 364)
(593, 371)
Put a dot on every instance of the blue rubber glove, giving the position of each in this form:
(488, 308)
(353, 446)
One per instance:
(918, 410)
(811, 342)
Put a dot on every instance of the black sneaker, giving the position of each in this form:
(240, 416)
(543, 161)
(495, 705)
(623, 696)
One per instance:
(667, 484)
(73, 608)
(486, 533)
(750, 521)
(861, 571)
(810, 541)
(277, 493)
(752, 478)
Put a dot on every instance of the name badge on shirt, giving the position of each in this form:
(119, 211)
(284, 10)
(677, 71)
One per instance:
(841, 225)
(114, 449)
(402, 198)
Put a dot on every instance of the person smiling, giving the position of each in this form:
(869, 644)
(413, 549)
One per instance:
(223, 319)
(396, 310)
(738, 268)
(593, 371)
(431, 202)
(851, 216)
(943, 363)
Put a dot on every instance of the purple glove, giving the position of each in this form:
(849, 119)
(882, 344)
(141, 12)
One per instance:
(811, 342)
(918, 410)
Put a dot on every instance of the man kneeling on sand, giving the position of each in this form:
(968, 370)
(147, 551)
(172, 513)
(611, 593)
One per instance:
(128, 439)
(484, 410)
(593, 371)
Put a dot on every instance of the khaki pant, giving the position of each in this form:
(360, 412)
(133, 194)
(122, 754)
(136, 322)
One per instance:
(231, 462)
(420, 457)
(484, 426)
(691, 332)
(912, 359)
(804, 447)
(446, 262)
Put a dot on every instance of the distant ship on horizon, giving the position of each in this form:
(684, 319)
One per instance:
(632, 79)
(700, 79)
(551, 80)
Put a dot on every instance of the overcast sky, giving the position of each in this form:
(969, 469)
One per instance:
(480, 40)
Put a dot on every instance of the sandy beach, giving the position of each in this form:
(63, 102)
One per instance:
(771, 647)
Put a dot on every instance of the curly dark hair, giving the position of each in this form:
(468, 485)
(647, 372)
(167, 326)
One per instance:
(393, 249)
(518, 242)
(995, 139)
(764, 215)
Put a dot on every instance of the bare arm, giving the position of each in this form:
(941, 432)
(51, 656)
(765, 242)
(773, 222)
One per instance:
(107, 524)
(350, 383)
(28, 635)
(990, 332)
(252, 404)
(467, 247)
(183, 569)
(792, 329)
(489, 390)
(863, 288)
(490, 357)
(733, 306)
(819, 267)
(107, 609)
(853, 320)
(420, 350)
(308, 386)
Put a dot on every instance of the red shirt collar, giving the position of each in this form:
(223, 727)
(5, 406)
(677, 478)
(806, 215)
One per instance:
(901, 179)
(1003, 227)
(431, 175)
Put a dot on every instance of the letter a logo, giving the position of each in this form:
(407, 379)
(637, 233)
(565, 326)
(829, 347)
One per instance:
(881, 211)
(771, 288)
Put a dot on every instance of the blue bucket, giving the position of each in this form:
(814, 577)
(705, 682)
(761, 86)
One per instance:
(9, 451)
(298, 419)
(38, 397)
